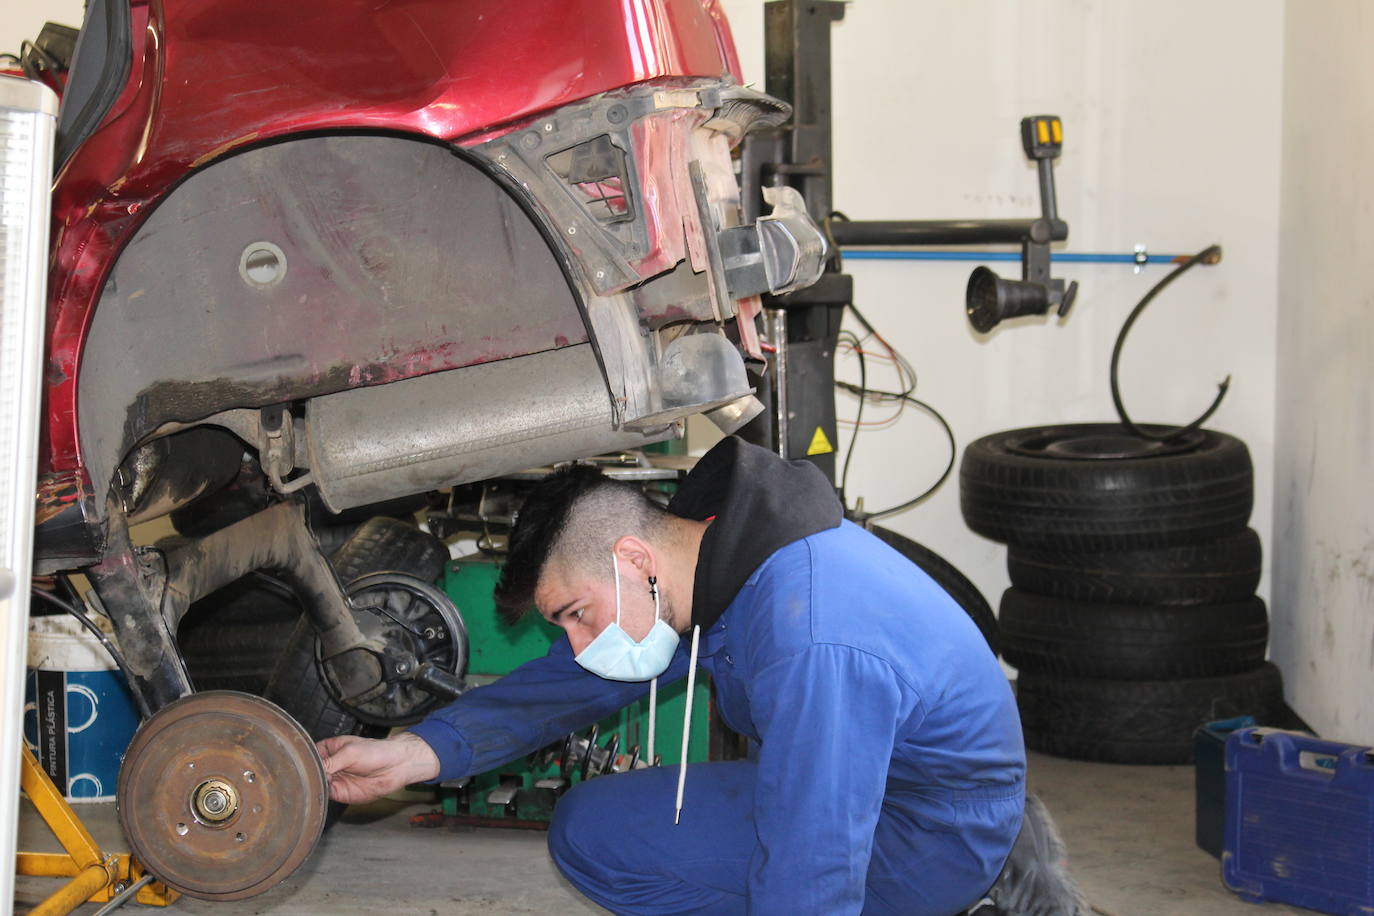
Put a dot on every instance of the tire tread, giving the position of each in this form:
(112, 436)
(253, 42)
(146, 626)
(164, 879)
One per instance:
(1149, 722)
(1047, 635)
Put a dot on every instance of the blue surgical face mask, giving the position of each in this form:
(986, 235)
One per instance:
(616, 657)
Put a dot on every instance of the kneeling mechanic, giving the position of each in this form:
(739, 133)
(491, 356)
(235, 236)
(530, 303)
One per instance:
(888, 772)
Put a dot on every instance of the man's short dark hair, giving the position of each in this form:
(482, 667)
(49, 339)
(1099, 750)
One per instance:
(577, 514)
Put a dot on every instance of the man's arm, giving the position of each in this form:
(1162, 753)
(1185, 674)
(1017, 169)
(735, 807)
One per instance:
(827, 717)
(534, 705)
(361, 769)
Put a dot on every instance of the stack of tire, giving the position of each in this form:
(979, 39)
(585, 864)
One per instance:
(1132, 617)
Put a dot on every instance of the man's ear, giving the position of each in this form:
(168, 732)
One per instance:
(631, 551)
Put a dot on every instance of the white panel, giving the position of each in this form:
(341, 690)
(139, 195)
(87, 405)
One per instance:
(26, 136)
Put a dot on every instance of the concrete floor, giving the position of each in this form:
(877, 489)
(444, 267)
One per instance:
(1129, 831)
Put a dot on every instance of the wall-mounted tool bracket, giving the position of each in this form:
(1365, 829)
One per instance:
(989, 298)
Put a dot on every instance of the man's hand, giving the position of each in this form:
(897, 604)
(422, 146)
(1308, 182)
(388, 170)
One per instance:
(361, 769)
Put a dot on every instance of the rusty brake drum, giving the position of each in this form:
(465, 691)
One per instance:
(222, 795)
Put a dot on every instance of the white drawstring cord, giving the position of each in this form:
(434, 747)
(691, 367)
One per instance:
(687, 722)
(653, 684)
(653, 717)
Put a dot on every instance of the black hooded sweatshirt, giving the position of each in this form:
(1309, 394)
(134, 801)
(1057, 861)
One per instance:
(760, 503)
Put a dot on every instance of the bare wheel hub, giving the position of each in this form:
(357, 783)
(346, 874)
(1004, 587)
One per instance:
(421, 630)
(215, 801)
(222, 795)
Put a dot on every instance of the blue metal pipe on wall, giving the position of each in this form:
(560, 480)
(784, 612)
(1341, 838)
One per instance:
(1067, 257)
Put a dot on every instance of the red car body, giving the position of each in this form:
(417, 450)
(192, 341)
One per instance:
(209, 78)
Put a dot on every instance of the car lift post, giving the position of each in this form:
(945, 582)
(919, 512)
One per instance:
(803, 326)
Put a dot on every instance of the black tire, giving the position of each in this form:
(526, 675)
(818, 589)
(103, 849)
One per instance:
(248, 495)
(1131, 641)
(296, 685)
(1042, 487)
(384, 544)
(1225, 569)
(379, 545)
(251, 635)
(230, 640)
(1138, 721)
(948, 577)
(332, 537)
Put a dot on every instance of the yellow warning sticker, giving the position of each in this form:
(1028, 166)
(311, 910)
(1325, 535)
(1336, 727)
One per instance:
(820, 445)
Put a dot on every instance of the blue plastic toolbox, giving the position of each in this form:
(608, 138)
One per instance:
(1299, 821)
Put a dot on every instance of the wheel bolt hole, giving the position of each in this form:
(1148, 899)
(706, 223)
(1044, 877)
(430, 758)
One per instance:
(182, 829)
(240, 837)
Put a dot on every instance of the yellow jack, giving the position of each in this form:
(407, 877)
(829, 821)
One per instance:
(95, 875)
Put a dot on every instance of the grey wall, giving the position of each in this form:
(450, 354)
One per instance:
(19, 20)
(1323, 543)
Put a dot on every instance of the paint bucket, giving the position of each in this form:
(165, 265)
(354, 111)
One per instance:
(78, 713)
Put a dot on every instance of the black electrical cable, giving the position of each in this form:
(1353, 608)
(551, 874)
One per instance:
(953, 453)
(69, 589)
(99, 634)
(28, 52)
(275, 585)
(1210, 255)
(944, 475)
(858, 417)
(835, 254)
(906, 376)
(903, 366)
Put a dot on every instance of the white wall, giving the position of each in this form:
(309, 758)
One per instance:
(20, 20)
(1171, 112)
(1323, 542)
